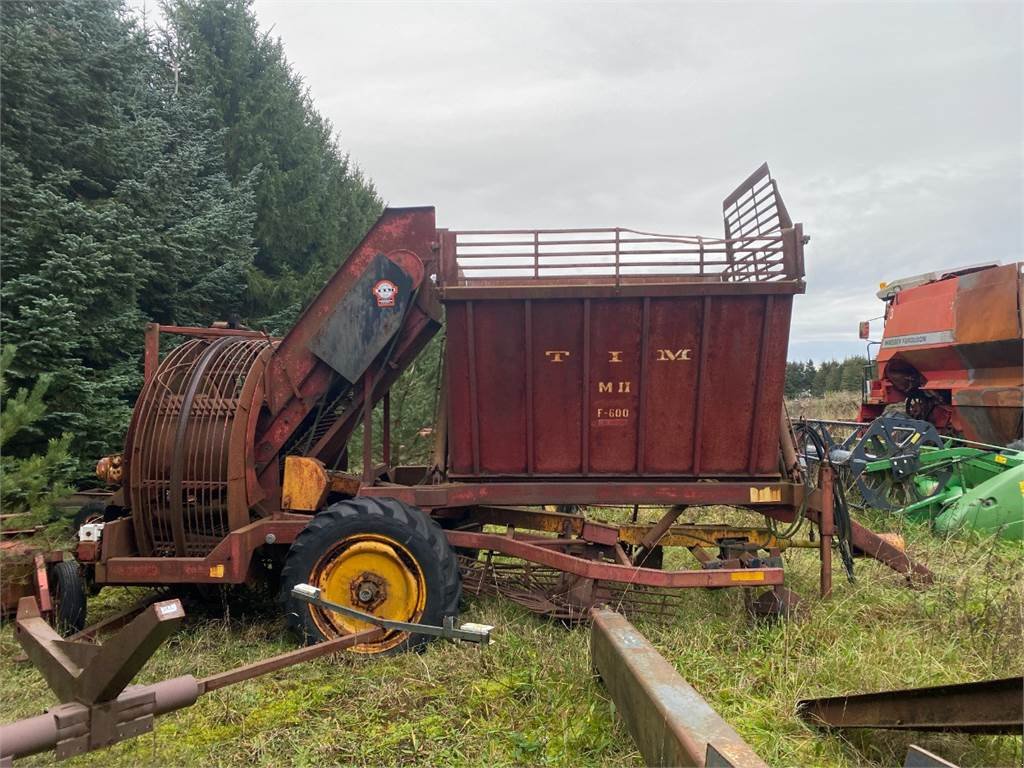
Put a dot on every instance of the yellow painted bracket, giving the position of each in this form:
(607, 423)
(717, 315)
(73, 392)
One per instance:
(307, 482)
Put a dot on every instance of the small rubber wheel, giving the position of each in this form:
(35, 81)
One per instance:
(378, 556)
(67, 589)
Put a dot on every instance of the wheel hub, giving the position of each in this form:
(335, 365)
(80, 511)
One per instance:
(369, 590)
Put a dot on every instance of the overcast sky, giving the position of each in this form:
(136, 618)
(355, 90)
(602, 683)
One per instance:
(894, 131)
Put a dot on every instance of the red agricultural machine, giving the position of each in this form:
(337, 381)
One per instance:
(952, 352)
(582, 368)
(596, 367)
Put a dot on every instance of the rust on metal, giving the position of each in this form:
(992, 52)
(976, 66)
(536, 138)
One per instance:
(590, 367)
(203, 448)
(953, 352)
(750, 493)
(288, 659)
(988, 706)
(98, 708)
(534, 552)
(87, 673)
(24, 569)
(871, 544)
(626, 331)
(670, 722)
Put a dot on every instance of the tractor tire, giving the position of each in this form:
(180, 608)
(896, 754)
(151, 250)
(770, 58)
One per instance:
(379, 556)
(67, 590)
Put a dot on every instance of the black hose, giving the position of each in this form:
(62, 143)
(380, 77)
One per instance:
(844, 528)
(840, 506)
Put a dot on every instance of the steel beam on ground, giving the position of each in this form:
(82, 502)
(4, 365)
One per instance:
(669, 721)
(988, 706)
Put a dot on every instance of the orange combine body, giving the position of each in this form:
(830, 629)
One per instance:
(953, 352)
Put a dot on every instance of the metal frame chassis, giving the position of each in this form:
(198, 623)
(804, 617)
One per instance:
(230, 562)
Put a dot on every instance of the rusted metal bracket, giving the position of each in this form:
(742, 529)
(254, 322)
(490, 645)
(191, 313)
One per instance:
(669, 721)
(96, 708)
(87, 673)
(988, 706)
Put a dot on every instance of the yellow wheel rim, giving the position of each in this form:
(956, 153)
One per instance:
(374, 574)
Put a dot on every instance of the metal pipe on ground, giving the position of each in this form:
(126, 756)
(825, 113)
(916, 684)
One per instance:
(97, 709)
(669, 721)
(73, 728)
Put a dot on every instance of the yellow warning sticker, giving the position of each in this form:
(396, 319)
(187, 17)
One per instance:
(761, 495)
(1000, 459)
(1022, 487)
(916, 437)
(748, 576)
(217, 571)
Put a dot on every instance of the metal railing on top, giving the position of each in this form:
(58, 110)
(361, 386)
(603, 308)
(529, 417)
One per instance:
(761, 244)
(616, 255)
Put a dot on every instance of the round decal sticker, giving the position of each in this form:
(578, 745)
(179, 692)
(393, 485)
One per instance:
(385, 292)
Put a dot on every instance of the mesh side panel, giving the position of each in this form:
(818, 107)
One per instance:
(752, 213)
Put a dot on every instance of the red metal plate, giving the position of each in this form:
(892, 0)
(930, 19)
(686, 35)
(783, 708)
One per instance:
(609, 387)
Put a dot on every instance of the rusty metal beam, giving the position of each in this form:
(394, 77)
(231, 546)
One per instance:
(685, 535)
(73, 728)
(603, 571)
(757, 494)
(288, 659)
(988, 706)
(863, 539)
(669, 721)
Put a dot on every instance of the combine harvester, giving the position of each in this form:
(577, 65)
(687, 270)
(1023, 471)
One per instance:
(603, 367)
(952, 353)
(944, 403)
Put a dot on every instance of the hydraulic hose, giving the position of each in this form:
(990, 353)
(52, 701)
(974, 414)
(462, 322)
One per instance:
(840, 506)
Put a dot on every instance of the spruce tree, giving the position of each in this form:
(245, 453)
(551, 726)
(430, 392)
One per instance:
(313, 205)
(31, 484)
(115, 210)
(852, 374)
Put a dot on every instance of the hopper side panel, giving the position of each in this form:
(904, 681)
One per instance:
(613, 383)
(734, 337)
(765, 440)
(557, 396)
(460, 447)
(670, 389)
(500, 362)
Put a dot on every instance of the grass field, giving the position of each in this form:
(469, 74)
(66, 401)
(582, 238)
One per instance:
(531, 698)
